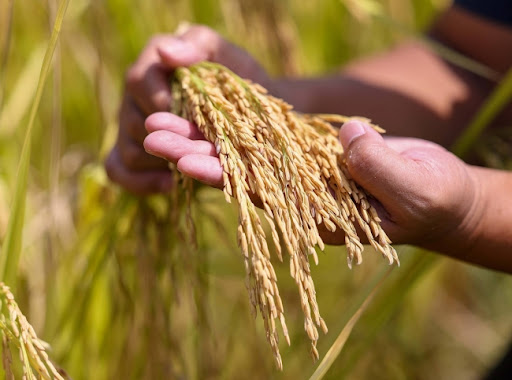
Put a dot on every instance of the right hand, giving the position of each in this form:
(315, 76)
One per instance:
(147, 91)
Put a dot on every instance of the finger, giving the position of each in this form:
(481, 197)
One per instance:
(135, 158)
(382, 171)
(131, 120)
(140, 183)
(147, 80)
(173, 147)
(183, 52)
(206, 169)
(172, 123)
(202, 43)
(197, 43)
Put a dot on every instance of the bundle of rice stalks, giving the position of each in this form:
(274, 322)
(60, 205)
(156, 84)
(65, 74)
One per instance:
(294, 165)
(16, 330)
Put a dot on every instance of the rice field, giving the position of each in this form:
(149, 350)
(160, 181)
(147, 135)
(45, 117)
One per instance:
(116, 285)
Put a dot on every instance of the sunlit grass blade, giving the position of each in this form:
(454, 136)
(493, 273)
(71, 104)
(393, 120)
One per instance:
(495, 103)
(460, 60)
(5, 43)
(336, 348)
(17, 104)
(391, 297)
(11, 248)
(101, 239)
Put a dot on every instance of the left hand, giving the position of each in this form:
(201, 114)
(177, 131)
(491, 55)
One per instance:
(147, 91)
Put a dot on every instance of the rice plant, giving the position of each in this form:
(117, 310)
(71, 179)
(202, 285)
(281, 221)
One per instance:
(294, 164)
(102, 276)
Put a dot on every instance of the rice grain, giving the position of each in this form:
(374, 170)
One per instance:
(294, 164)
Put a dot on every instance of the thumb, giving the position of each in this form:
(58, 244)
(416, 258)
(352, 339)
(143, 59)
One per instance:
(380, 170)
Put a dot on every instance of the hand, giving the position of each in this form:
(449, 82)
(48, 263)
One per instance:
(179, 141)
(423, 194)
(147, 91)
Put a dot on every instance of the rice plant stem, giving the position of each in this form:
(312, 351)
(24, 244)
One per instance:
(342, 338)
(11, 248)
(6, 44)
(389, 299)
(500, 97)
(54, 167)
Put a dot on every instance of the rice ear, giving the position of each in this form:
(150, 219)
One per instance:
(295, 165)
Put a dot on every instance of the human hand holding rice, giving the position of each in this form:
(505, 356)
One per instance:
(229, 133)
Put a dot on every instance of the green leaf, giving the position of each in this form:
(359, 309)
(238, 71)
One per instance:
(11, 249)
(343, 336)
(500, 97)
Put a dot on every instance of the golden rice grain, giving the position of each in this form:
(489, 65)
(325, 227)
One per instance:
(295, 165)
(18, 331)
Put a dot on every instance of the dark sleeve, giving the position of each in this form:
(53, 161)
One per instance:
(503, 370)
(495, 10)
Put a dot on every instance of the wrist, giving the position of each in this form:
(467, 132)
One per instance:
(491, 235)
(460, 236)
(466, 234)
(482, 234)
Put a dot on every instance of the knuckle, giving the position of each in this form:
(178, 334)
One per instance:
(202, 30)
(429, 200)
(203, 35)
(131, 123)
(158, 39)
(134, 130)
(427, 203)
(162, 100)
(133, 78)
(362, 156)
(110, 167)
(131, 155)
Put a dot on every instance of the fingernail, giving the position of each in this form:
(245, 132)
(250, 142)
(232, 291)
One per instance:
(350, 131)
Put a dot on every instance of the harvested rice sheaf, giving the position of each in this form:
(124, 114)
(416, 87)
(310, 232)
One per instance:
(294, 164)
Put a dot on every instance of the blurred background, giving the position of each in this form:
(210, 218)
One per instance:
(115, 284)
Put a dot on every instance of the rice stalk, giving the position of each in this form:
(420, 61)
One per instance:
(16, 104)
(5, 44)
(499, 98)
(343, 336)
(294, 165)
(32, 351)
(11, 248)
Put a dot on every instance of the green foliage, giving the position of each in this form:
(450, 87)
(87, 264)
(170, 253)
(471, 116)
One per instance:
(11, 247)
(493, 106)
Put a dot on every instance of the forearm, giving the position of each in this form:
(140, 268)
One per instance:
(493, 236)
(484, 237)
(409, 91)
